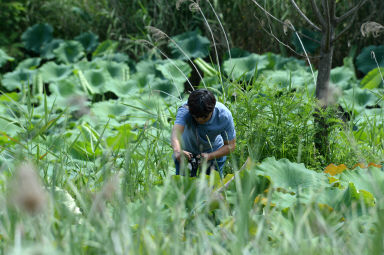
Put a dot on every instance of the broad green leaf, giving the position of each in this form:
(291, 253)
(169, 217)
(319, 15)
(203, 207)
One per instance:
(29, 63)
(309, 45)
(36, 36)
(371, 180)
(17, 79)
(365, 61)
(53, 72)
(343, 77)
(290, 176)
(245, 67)
(65, 88)
(174, 70)
(98, 80)
(278, 62)
(122, 137)
(47, 50)
(69, 52)
(105, 48)
(89, 41)
(357, 99)
(4, 58)
(373, 79)
(193, 45)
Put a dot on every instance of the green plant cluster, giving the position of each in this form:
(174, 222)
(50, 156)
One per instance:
(86, 129)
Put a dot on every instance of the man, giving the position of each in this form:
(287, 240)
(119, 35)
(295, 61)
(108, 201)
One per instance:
(203, 127)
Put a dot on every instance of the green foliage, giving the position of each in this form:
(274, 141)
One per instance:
(35, 37)
(373, 79)
(69, 52)
(4, 58)
(189, 45)
(365, 61)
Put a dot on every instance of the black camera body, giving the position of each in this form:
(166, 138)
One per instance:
(194, 163)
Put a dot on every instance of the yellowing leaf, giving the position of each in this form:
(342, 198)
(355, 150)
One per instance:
(360, 164)
(374, 165)
(333, 169)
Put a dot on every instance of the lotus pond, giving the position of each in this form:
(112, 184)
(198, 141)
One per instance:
(86, 162)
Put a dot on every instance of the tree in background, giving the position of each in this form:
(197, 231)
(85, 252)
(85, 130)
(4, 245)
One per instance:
(331, 19)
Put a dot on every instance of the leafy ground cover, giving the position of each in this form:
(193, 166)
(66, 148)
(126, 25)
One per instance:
(86, 163)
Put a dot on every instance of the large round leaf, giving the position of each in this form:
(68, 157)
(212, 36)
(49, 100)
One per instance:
(365, 62)
(89, 41)
(52, 72)
(36, 36)
(245, 67)
(357, 99)
(98, 79)
(189, 45)
(47, 50)
(4, 58)
(174, 70)
(309, 45)
(290, 176)
(29, 63)
(69, 52)
(17, 79)
(343, 77)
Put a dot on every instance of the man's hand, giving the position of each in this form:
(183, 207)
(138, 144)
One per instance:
(206, 156)
(179, 154)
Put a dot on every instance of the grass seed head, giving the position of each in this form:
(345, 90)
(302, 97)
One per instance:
(156, 33)
(27, 191)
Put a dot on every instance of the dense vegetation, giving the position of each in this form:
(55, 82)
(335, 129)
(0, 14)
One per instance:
(89, 93)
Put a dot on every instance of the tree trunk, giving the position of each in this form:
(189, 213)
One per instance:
(322, 94)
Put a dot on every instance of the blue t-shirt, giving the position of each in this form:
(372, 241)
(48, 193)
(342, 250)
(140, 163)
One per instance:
(207, 137)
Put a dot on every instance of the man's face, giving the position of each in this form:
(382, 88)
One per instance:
(202, 120)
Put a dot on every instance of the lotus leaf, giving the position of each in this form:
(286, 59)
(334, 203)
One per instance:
(148, 67)
(53, 72)
(69, 52)
(357, 99)
(122, 138)
(343, 77)
(4, 58)
(66, 88)
(309, 45)
(29, 63)
(278, 62)
(116, 57)
(193, 45)
(89, 41)
(364, 60)
(36, 36)
(105, 48)
(47, 50)
(98, 80)
(373, 79)
(290, 176)
(245, 67)
(17, 79)
(174, 70)
(285, 79)
(371, 179)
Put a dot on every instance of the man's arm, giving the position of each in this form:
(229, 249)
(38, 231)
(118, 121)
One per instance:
(229, 146)
(177, 130)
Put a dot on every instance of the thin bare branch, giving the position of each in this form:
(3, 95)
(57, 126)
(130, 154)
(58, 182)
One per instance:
(282, 43)
(268, 14)
(352, 11)
(345, 29)
(304, 16)
(318, 13)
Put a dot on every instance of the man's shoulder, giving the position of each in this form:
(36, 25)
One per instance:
(223, 110)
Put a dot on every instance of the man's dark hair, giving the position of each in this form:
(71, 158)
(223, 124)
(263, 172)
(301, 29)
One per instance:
(201, 103)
